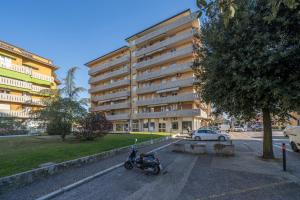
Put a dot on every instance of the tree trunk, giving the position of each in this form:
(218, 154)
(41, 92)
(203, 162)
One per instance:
(267, 142)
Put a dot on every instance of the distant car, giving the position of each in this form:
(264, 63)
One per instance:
(206, 134)
(224, 127)
(238, 129)
(257, 127)
(288, 129)
(294, 138)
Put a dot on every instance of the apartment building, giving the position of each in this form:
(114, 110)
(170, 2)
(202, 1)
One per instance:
(148, 85)
(24, 78)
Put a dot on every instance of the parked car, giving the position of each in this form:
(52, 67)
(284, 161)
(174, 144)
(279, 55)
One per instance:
(238, 129)
(294, 137)
(288, 129)
(207, 134)
(257, 127)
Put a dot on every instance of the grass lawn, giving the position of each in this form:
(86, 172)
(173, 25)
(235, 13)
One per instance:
(25, 153)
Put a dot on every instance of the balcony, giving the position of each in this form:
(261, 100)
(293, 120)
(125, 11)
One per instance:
(27, 70)
(170, 41)
(169, 99)
(15, 83)
(109, 64)
(112, 107)
(165, 57)
(172, 84)
(111, 96)
(166, 28)
(117, 117)
(173, 113)
(173, 69)
(36, 88)
(109, 75)
(19, 99)
(109, 86)
(19, 114)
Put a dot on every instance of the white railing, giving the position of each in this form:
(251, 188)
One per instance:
(172, 113)
(38, 88)
(109, 64)
(164, 57)
(117, 117)
(19, 99)
(168, 99)
(42, 77)
(166, 28)
(172, 84)
(111, 96)
(167, 42)
(109, 75)
(112, 106)
(15, 83)
(27, 70)
(9, 113)
(172, 69)
(109, 86)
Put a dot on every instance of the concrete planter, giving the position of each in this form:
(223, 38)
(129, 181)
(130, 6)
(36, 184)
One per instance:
(198, 148)
(224, 149)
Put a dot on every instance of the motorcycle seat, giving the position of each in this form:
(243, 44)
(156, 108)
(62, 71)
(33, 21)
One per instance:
(147, 155)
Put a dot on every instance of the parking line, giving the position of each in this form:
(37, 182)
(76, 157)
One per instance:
(87, 179)
(279, 146)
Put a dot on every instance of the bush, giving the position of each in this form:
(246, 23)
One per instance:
(59, 127)
(92, 126)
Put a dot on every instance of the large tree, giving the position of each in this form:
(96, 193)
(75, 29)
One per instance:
(250, 64)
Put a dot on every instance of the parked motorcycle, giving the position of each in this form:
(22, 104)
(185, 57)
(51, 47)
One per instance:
(147, 162)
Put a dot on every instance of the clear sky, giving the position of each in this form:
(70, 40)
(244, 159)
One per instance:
(72, 32)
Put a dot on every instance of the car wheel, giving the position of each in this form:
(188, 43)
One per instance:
(197, 138)
(294, 147)
(221, 138)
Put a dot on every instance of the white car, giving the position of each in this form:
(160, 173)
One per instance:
(206, 134)
(294, 137)
(238, 129)
(288, 129)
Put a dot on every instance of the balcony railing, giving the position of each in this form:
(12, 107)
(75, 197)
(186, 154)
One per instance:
(106, 76)
(15, 83)
(117, 117)
(19, 99)
(109, 64)
(36, 88)
(165, 114)
(165, 57)
(112, 106)
(19, 114)
(26, 70)
(169, 99)
(166, 28)
(173, 69)
(165, 43)
(109, 86)
(172, 84)
(111, 96)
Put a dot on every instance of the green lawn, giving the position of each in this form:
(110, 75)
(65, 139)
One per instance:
(25, 153)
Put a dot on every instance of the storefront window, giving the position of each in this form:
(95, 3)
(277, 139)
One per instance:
(175, 125)
(186, 124)
(162, 127)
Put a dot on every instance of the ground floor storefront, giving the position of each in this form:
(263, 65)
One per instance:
(170, 125)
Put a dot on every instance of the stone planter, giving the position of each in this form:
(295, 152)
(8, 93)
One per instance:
(224, 149)
(178, 147)
(199, 148)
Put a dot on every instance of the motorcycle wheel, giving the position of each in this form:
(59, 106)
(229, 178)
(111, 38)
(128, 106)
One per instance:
(128, 165)
(156, 170)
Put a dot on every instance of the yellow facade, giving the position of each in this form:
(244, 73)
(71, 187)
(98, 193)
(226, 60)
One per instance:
(24, 77)
(157, 93)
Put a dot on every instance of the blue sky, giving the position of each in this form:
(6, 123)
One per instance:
(72, 32)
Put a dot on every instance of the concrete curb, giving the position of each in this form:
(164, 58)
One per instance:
(24, 178)
(87, 179)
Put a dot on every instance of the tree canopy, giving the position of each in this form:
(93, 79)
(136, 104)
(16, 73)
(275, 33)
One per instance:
(251, 64)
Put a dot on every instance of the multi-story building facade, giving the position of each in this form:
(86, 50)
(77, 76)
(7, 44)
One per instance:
(152, 88)
(24, 78)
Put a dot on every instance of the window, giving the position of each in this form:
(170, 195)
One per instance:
(173, 50)
(162, 127)
(186, 124)
(175, 125)
(134, 88)
(134, 76)
(145, 125)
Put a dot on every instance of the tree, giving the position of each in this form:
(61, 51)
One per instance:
(251, 65)
(92, 126)
(63, 109)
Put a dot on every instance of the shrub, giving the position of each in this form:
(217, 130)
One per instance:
(92, 126)
(59, 127)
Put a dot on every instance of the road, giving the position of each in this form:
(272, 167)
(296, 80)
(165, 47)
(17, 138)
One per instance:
(196, 177)
(185, 176)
